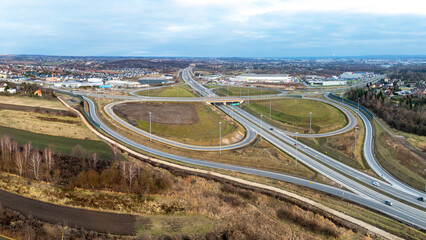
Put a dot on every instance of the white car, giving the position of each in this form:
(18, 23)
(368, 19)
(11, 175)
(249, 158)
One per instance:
(375, 183)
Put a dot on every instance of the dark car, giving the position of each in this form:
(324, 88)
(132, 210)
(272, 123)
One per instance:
(271, 129)
(421, 199)
(388, 202)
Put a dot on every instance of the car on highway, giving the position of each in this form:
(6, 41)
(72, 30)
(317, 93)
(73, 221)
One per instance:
(388, 202)
(375, 183)
(421, 199)
(271, 129)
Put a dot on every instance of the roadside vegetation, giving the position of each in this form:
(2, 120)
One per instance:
(293, 114)
(398, 158)
(192, 123)
(242, 91)
(404, 113)
(179, 206)
(174, 91)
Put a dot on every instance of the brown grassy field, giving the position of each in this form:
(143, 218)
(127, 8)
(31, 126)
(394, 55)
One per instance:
(33, 102)
(63, 126)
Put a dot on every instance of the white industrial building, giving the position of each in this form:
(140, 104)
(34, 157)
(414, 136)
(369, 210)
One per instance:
(270, 78)
(327, 83)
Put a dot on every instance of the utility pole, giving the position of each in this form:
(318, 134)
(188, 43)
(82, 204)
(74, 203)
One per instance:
(248, 96)
(310, 123)
(228, 89)
(297, 146)
(220, 137)
(358, 104)
(261, 126)
(356, 128)
(270, 107)
(150, 126)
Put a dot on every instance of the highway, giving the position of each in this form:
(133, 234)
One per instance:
(369, 156)
(315, 156)
(410, 215)
(325, 165)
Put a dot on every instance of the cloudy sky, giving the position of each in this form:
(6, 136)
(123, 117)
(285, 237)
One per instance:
(213, 28)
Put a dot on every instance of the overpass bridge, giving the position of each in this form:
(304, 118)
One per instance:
(222, 100)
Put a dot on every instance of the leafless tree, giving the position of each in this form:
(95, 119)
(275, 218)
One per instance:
(116, 152)
(20, 162)
(128, 171)
(95, 160)
(35, 164)
(50, 161)
(27, 151)
(79, 151)
(4, 146)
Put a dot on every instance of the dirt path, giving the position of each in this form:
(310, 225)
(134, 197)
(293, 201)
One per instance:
(115, 223)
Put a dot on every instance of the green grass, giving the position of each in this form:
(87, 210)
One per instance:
(175, 91)
(204, 132)
(59, 144)
(293, 114)
(401, 167)
(243, 91)
(173, 224)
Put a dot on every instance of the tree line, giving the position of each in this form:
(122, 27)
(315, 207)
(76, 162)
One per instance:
(406, 113)
(80, 170)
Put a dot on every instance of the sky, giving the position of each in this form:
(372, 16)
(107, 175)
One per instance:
(213, 28)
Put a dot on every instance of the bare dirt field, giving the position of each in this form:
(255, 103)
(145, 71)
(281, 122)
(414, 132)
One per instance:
(179, 114)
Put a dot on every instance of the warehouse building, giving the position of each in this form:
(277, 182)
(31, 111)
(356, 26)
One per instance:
(268, 78)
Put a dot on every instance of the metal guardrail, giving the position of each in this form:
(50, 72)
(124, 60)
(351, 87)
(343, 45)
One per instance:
(86, 115)
(354, 104)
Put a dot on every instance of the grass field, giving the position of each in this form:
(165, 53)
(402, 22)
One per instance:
(399, 160)
(63, 126)
(205, 131)
(341, 147)
(160, 225)
(175, 91)
(33, 102)
(293, 114)
(59, 144)
(242, 91)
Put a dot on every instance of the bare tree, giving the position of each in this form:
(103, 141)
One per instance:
(20, 162)
(79, 152)
(128, 171)
(4, 146)
(50, 161)
(116, 152)
(27, 151)
(95, 160)
(35, 164)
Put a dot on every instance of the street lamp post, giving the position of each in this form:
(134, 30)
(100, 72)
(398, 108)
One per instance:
(220, 137)
(310, 123)
(248, 96)
(261, 125)
(150, 126)
(297, 146)
(270, 107)
(358, 104)
(356, 128)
